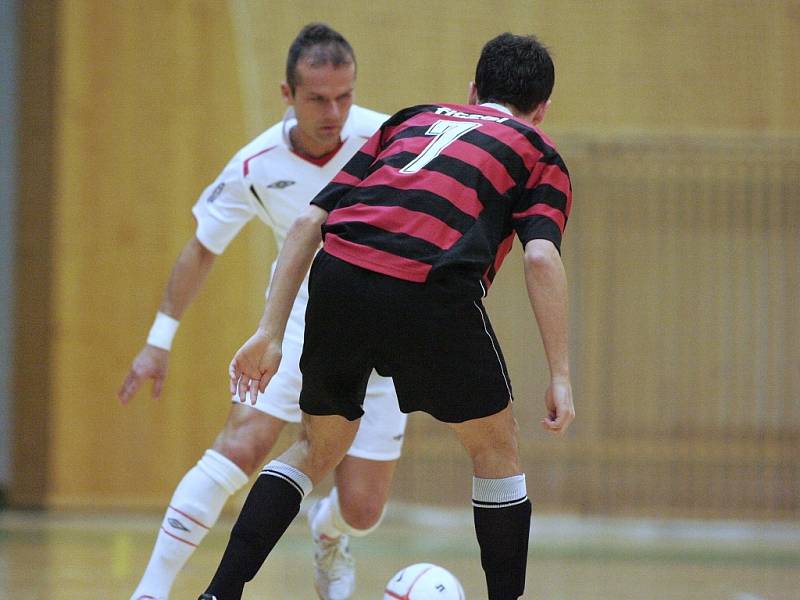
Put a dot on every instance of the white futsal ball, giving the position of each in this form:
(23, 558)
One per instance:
(423, 581)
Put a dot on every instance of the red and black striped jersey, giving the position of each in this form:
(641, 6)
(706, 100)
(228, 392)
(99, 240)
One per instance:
(439, 191)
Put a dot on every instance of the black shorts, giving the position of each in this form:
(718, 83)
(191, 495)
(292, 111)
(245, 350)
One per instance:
(440, 351)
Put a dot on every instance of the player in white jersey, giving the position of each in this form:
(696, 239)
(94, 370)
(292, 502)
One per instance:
(273, 178)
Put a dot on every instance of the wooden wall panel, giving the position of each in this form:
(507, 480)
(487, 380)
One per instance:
(149, 114)
(632, 65)
(677, 67)
(681, 288)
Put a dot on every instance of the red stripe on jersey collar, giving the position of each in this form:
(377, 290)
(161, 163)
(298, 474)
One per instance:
(320, 161)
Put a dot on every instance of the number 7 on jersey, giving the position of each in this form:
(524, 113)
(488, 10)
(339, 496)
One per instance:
(445, 132)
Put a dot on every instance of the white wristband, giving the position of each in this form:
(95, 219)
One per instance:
(162, 331)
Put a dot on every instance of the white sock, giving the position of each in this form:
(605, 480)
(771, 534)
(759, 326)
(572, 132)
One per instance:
(329, 520)
(193, 510)
(499, 493)
(291, 475)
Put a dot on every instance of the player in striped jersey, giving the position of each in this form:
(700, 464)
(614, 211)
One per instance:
(272, 179)
(415, 226)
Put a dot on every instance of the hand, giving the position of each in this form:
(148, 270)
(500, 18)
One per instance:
(151, 363)
(254, 365)
(560, 411)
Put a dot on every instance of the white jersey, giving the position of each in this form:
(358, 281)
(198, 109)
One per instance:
(269, 180)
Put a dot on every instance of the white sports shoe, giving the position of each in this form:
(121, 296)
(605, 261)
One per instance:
(334, 567)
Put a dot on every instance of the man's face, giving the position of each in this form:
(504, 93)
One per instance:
(322, 99)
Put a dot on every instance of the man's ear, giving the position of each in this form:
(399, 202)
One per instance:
(286, 93)
(472, 94)
(539, 113)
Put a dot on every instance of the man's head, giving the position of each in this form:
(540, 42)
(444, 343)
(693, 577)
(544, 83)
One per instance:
(320, 79)
(515, 70)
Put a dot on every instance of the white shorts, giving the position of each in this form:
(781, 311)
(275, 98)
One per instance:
(380, 434)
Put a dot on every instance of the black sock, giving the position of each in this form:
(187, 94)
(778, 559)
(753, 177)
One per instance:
(502, 532)
(271, 506)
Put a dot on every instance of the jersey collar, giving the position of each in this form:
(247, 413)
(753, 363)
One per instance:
(290, 120)
(320, 161)
(499, 107)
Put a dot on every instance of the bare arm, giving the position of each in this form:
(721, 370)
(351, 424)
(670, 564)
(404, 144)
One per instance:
(547, 289)
(257, 360)
(186, 279)
(188, 275)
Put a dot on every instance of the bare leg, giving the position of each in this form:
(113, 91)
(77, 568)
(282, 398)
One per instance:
(322, 444)
(274, 500)
(491, 443)
(363, 489)
(500, 502)
(248, 436)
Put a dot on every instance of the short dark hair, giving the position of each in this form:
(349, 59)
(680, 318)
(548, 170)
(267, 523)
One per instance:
(516, 70)
(319, 45)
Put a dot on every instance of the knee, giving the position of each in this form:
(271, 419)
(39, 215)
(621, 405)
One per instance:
(319, 460)
(496, 462)
(246, 444)
(361, 508)
(236, 449)
(494, 451)
(500, 459)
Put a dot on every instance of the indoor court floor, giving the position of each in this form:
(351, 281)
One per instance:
(79, 556)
